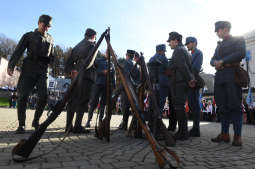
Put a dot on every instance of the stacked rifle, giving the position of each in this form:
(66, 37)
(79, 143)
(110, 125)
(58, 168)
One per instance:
(163, 155)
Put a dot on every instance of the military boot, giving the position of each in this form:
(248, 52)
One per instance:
(35, 124)
(69, 120)
(90, 115)
(77, 126)
(237, 141)
(88, 124)
(194, 132)
(20, 130)
(182, 133)
(120, 126)
(39, 111)
(124, 123)
(156, 130)
(221, 137)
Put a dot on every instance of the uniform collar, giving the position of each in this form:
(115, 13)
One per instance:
(227, 37)
(193, 51)
(42, 34)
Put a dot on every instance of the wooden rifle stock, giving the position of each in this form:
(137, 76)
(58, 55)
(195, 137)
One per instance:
(161, 153)
(169, 139)
(25, 147)
(104, 125)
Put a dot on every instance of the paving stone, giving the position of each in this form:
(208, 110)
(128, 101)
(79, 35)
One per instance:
(12, 167)
(87, 152)
(51, 165)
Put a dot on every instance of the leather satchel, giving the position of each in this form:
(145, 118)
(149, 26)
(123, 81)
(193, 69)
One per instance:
(242, 77)
(200, 83)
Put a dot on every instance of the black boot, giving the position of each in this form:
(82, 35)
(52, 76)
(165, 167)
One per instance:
(172, 121)
(90, 115)
(77, 126)
(125, 122)
(194, 132)
(156, 129)
(121, 125)
(39, 111)
(182, 133)
(35, 124)
(20, 130)
(69, 120)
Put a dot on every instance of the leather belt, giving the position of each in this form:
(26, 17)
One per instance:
(231, 65)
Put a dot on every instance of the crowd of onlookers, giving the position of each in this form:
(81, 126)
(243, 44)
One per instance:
(209, 110)
(32, 99)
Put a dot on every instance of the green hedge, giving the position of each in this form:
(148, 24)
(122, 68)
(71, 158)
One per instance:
(4, 102)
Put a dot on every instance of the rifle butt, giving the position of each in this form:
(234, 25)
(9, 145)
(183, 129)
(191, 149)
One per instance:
(25, 146)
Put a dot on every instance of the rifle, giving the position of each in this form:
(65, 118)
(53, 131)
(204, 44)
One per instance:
(25, 147)
(104, 126)
(134, 128)
(169, 140)
(160, 152)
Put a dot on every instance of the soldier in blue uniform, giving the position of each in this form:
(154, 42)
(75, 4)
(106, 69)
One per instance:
(228, 95)
(99, 87)
(158, 65)
(182, 79)
(193, 96)
(125, 105)
(39, 45)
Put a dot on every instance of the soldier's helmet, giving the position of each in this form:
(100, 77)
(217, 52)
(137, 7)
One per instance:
(136, 55)
(90, 32)
(46, 19)
(222, 25)
(174, 36)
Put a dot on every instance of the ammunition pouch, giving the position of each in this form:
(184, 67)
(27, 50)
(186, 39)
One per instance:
(241, 77)
(200, 83)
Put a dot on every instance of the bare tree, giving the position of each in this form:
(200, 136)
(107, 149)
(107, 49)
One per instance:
(7, 46)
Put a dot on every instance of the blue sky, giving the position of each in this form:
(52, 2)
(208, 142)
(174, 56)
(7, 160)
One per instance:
(135, 24)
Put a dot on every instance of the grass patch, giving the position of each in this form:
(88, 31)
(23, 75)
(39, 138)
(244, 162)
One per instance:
(4, 102)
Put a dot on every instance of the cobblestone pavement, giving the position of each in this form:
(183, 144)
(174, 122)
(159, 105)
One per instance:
(87, 152)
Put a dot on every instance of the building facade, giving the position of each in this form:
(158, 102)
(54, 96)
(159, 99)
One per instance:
(250, 48)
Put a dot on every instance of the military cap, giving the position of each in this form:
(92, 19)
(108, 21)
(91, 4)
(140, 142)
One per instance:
(137, 55)
(90, 32)
(190, 39)
(161, 47)
(46, 19)
(222, 25)
(174, 36)
(130, 53)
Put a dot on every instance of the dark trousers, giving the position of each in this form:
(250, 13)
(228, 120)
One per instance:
(228, 97)
(193, 100)
(180, 94)
(125, 105)
(27, 82)
(99, 90)
(78, 101)
(163, 92)
(172, 116)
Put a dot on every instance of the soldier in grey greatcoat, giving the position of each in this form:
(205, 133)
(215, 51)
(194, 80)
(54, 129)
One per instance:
(78, 62)
(182, 79)
(125, 105)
